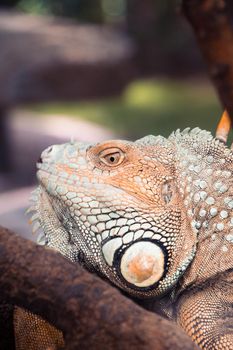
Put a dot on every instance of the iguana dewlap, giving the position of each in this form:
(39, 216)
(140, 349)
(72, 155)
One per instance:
(154, 217)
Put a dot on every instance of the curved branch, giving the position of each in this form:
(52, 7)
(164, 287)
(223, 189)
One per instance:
(92, 314)
(212, 21)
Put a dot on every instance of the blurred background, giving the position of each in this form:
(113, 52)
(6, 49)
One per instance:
(91, 70)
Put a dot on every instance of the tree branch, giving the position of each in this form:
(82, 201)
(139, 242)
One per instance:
(92, 314)
(212, 22)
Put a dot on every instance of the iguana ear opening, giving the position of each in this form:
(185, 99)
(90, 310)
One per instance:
(167, 191)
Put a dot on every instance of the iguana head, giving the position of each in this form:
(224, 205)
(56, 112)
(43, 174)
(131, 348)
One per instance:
(116, 208)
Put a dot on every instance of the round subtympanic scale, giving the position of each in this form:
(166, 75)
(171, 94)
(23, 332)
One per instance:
(142, 264)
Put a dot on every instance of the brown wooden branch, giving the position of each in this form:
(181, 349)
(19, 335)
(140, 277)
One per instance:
(92, 314)
(212, 21)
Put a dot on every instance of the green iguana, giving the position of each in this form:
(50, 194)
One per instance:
(154, 217)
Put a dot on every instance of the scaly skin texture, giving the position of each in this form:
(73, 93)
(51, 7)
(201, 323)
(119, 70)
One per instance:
(154, 217)
(35, 333)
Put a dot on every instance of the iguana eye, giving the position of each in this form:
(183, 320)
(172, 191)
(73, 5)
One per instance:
(112, 156)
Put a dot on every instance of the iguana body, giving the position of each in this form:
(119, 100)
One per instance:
(154, 217)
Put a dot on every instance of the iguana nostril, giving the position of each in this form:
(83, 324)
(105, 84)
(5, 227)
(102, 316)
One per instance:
(40, 160)
(49, 150)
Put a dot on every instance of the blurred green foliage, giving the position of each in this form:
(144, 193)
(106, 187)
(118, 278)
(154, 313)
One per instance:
(87, 10)
(96, 11)
(148, 107)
